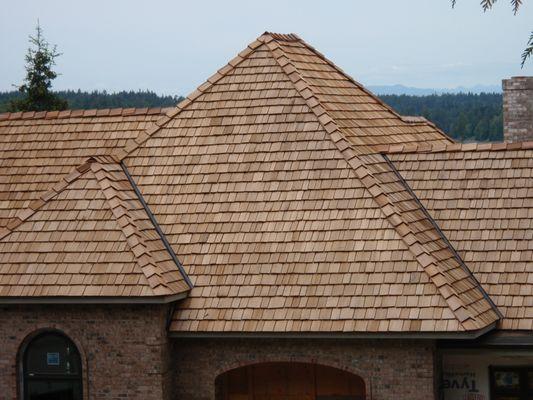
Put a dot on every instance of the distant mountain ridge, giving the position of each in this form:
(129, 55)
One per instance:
(413, 91)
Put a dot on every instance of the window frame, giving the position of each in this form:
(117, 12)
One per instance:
(522, 370)
(26, 378)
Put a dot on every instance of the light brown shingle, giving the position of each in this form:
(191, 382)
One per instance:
(482, 198)
(269, 184)
(275, 211)
(92, 237)
(37, 149)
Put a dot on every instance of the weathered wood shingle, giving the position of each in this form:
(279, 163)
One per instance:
(89, 236)
(284, 217)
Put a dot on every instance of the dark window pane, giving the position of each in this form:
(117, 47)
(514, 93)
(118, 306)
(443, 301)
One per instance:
(52, 369)
(53, 390)
(507, 380)
(52, 354)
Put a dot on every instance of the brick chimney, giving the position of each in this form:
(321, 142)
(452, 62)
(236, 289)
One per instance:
(518, 109)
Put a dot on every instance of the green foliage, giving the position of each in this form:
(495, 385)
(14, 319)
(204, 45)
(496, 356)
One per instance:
(487, 4)
(464, 116)
(516, 5)
(125, 99)
(528, 50)
(89, 100)
(39, 75)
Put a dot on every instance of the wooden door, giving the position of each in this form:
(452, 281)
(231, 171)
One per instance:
(289, 381)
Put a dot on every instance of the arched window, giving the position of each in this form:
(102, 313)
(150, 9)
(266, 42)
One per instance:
(51, 368)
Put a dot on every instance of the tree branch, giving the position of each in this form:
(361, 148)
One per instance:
(528, 51)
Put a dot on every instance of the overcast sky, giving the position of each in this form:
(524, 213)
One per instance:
(173, 46)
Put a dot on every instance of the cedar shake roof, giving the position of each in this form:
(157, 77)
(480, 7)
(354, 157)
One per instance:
(358, 113)
(286, 218)
(38, 148)
(482, 198)
(271, 185)
(87, 237)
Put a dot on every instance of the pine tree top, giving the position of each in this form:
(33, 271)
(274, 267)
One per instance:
(37, 85)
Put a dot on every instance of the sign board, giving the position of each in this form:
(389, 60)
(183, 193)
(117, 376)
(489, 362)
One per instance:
(463, 381)
(52, 358)
(465, 373)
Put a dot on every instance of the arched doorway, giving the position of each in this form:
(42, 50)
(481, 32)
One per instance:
(289, 381)
(51, 368)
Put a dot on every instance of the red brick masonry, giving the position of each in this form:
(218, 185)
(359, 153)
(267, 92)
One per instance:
(392, 369)
(125, 352)
(126, 355)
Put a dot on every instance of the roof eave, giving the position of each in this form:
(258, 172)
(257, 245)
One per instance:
(94, 299)
(498, 338)
(463, 335)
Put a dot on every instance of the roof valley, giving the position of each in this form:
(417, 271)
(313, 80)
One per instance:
(159, 276)
(366, 163)
(129, 227)
(272, 185)
(441, 233)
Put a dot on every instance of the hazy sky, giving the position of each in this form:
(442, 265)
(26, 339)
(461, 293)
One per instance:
(173, 46)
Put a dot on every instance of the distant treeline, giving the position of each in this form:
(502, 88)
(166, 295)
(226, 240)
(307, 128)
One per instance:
(465, 117)
(102, 99)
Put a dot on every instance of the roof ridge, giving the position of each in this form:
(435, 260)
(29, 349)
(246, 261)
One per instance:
(288, 37)
(311, 99)
(364, 89)
(355, 156)
(440, 232)
(37, 204)
(134, 237)
(84, 113)
(452, 147)
(120, 210)
(133, 144)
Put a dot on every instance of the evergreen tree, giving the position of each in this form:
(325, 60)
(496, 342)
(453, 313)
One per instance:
(464, 116)
(78, 99)
(36, 92)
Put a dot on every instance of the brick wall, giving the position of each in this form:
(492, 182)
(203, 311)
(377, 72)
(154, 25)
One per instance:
(392, 369)
(518, 109)
(126, 354)
(125, 350)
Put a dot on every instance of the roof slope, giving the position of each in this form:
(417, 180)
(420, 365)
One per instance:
(37, 149)
(362, 117)
(89, 236)
(286, 219)
(357, 112)
(482, 198)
